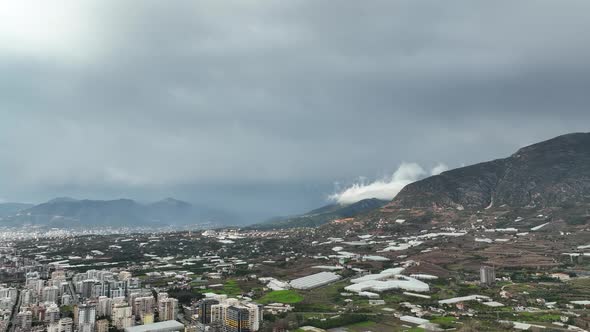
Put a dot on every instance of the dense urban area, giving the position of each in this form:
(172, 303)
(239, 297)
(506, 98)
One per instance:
(497, 272)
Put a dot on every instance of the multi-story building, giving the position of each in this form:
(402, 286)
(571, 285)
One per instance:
(100, 289)
(167, 308)
(231, 314)
(38, 311)
(53, 327)
(204, 310)
(237, 319)
(8, 292)
(117, 288)
(35, 284)
(87, 289)
(27, 297)
(147, 319)
(58, 274)
(487, 275)
(50, 294)
(63, 325)
(143, 305)
(52, 314)
(255, 311)
(124, 275)
(66, 299)
(104, 307)
(24, 321)
(64, 287)
(102, 325)
(122, 316)
(86, 317)
(133, 283)
(117, 292)
(132, 294)
(66, 324)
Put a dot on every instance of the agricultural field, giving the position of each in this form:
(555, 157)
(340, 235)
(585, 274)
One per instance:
(281, 296)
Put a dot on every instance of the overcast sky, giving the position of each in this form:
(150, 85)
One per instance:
(271, 107)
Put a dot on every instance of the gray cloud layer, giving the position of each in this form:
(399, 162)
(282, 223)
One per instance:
(148, 96)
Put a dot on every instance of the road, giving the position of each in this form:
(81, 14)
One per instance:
(15, 311)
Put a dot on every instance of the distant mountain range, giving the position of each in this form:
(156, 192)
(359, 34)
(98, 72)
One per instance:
(545, 174)
(8, 209)
(71, 213)
(322, 215)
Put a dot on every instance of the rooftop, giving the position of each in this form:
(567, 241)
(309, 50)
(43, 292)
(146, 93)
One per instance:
(169, 325)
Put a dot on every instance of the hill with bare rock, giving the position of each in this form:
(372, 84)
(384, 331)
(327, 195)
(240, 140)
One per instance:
(549, 173)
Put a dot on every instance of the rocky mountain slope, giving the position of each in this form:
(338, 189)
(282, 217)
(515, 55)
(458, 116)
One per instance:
(548, 173)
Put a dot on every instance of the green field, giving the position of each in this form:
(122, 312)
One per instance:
(232, 288)
(443, 320)
(281, 296)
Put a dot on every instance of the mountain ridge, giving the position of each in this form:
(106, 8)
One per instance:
(70, 212)
(542, 174)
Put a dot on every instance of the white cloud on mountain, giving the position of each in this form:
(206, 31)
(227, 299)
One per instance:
(388, 188)
(441, 167)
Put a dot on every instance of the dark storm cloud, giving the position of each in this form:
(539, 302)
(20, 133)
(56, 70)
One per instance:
(150, 94)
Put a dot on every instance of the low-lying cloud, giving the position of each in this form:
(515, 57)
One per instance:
(436, 170)
(386, 189)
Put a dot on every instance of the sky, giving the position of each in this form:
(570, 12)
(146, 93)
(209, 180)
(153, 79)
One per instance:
(271, 108)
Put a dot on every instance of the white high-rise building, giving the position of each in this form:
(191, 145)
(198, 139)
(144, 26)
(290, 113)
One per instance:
(36, 285)
(104, 307)
(52, 314)
(66, 299)
(117, 292)
(27, 297)
(487, 275)
(86, 317)
(255, 312)
(8, 292)
(50, 294)
(24, 320)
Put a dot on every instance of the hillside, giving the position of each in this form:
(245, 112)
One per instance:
(322, 215)
(548, 173)
(9, 209)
